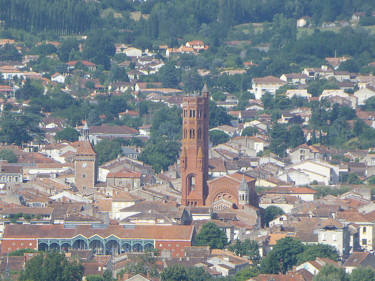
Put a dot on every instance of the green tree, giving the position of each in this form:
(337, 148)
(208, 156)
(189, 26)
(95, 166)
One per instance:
(218, 115)
(279, 139)
(66, 47)
(68, 134)
(247, 273)
(18, 128)
(10, 53)
(160, 153)
(107, 150)
(51, 266)
(296, 136)
(8, 155)
(142, 264)
(285, 252)
(94, 278)
(21, 252)
(169, 75)
(218, 137)
(182, 273)
(271, 213)
(331, 273)
(175, 273)
(167, 122)
(362, 274)
(211, 235)
(249, 131)
(311, 252)
(351, 178)
(248, 248)
(107, 276)
(29, 90)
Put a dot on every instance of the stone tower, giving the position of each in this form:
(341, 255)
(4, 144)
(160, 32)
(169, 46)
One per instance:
(85, 163)
(194, 156)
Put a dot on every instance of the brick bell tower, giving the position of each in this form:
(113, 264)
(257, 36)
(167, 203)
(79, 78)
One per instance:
(194, 156)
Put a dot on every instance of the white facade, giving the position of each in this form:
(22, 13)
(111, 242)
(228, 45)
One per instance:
(364, 94)
(321, 172)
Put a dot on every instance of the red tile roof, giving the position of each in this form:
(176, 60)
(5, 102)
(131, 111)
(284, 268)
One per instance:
(85, 147)
(158, 232)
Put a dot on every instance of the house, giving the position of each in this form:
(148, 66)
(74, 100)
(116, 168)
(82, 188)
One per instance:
(120, 86)
(268, 84)
(365, 80)
(227, 265)
(294, 177)
(301, 93)
(304, 21)
(97, 133)
(128, 181)
(90, 65)
(335, 62)
(340, 97)
(8, 72)
(11, 173)
(144, 212)
(304, 193)
(197, 45)
(305, 152)
(295, 78)
(343, 76)
(359, 259)
(315, 266)
(366, 226)
(317, 73)
(335, 233)
(364, 94)
(321, 172)
(133, 52)
(229, 130)
(57, 77)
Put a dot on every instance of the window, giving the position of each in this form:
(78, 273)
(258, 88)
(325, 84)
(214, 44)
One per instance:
(192, 133)
(364, 229)
(191, 182)
(84, 176)
(192, 113)
(364, 241)
(199, 113)
(199, 133)
(185, 133)
(334, 237)
(324, 236)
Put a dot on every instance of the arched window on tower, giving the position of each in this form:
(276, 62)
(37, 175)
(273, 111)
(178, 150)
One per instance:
(199, 133)
(185, 134)
(191, 183)
(192, 133)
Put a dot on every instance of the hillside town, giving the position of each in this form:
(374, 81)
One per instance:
(150, 164)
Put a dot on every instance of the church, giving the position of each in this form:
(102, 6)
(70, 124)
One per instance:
(230, 191)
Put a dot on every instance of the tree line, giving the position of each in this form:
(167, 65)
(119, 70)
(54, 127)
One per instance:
(59, 16)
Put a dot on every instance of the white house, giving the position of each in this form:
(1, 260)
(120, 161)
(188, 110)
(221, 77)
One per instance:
(268, 84)
(364, 94)
(304, 193)
(335, 94)
(133, 52)
(336, 234)
(321, 172)
(302, 93)
(58, 77)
